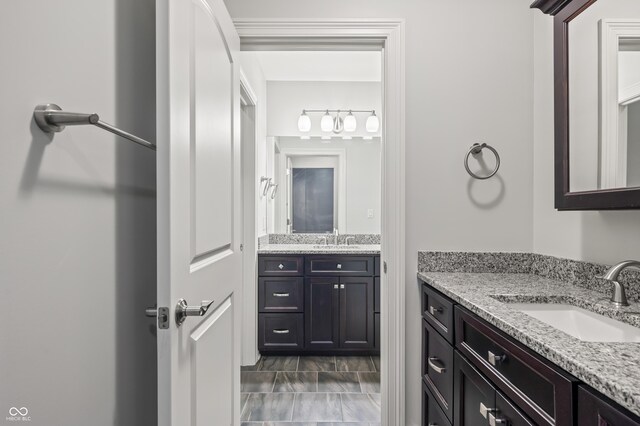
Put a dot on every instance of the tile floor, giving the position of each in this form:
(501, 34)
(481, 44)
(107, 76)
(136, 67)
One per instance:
(311, 391)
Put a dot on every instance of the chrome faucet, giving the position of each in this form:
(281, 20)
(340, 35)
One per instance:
(348, 240)
(336, 233)
(619, 297)
(325, 240)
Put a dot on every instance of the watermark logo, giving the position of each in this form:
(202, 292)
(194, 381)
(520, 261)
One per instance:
(18, 415)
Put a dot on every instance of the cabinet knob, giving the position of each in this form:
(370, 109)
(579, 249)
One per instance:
(339, 266)
(494, 420)
(335, 286)
(281, 266)
(342, 286)
(436, 365)
(496, 359)
(433, 310)
(484, 410)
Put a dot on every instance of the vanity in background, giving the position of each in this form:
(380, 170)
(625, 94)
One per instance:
(319, 302)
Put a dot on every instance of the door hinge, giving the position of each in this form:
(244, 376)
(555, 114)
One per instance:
(241, 247)
(384, 267)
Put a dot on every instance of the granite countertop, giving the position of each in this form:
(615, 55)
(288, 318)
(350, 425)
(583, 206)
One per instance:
(611, 368)
(364, 249)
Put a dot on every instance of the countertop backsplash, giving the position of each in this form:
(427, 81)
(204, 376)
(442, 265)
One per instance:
(578, 273)
(315, 238)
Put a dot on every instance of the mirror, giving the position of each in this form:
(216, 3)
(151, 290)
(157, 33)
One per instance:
(327, 185)
(597, 108)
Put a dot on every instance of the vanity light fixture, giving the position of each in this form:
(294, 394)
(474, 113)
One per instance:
(335, 123)
(304, 122)
(326, 124)
(373, 124)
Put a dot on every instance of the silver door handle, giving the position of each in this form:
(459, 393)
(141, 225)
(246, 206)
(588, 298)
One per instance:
(433, 310)
(183, 310)
(281, 294)
(437, 368)
(496, 359)
(484, 410)
(281, 331)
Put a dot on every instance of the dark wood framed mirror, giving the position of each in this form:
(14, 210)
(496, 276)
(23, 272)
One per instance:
(594, 166)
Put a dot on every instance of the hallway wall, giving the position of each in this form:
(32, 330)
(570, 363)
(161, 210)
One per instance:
(469, 78)
(78, 249)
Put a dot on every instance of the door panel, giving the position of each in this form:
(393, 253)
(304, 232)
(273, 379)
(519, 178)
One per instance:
(321, 313)
(211, 129)
(198, 196)
(356, 313)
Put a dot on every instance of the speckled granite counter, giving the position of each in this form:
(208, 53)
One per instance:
(611, 368)
(364, 249)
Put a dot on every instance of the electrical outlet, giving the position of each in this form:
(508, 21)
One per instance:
(370, 213)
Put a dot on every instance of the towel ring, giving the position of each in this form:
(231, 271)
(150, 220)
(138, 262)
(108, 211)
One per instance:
(475, 149)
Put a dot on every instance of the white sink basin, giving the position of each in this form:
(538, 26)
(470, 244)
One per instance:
(580, 323)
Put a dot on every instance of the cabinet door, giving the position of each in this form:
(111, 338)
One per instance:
(597, 410)
(356, 313)
(322, 316)
(475, 397)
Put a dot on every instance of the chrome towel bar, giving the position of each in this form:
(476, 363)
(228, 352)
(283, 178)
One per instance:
(476, 149)
(50, 118)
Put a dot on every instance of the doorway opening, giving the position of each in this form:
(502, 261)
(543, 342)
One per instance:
(316, 37)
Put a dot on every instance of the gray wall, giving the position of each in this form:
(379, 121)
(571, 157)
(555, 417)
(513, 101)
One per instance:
(468, 78)
(77, 253)
(605, 237)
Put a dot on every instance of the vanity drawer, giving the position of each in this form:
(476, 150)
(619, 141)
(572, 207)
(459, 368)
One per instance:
(281, 331)
(280, 265)
(281, 294)
(540, 389)
(597, 410)
(438, 311)
(340, 265)
(437, 367)
(432, 414)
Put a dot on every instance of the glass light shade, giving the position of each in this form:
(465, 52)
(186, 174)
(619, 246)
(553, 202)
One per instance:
(326, 124)
(350, 123)
(373, 124)
(304, 122)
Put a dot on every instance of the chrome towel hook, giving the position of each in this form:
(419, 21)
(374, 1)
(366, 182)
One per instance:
(475, 149)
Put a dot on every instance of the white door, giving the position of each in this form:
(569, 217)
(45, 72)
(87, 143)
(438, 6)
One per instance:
(199, 220)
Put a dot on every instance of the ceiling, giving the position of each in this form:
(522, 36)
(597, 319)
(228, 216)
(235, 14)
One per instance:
(319, 66)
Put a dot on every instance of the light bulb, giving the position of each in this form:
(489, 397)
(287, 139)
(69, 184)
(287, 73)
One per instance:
(304, 122)
(350, 123)
(326, 124)
(373, 124)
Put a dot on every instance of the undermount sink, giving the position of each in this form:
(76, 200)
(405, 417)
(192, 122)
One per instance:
(333, 246)
(580, 323)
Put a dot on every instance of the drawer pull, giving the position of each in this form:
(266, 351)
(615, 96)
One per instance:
(339, 266)
(336, 286)
(496, 359)
(484, 410)
(342, 286)
(281, 294)
(437, 368)
(281, 266)
(433, 310)
(281, 331)
(494, 421)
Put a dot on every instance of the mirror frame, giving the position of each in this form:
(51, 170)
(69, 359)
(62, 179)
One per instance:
(564, 11)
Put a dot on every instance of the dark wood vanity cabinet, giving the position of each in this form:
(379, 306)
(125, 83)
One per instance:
(474, 374)
(335, 297)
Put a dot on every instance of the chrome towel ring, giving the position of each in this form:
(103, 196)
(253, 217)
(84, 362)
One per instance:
(475, 149)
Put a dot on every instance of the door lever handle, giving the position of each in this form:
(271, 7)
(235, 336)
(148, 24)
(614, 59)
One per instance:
(183, 310)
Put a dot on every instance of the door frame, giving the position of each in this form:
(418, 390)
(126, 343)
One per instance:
(387, 35)
(341, 153)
